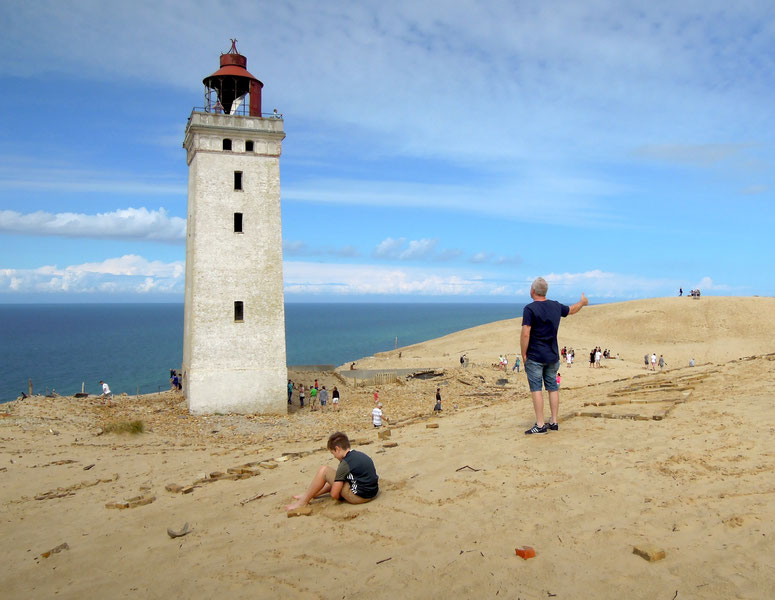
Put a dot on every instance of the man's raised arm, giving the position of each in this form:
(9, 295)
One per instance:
(579, 305)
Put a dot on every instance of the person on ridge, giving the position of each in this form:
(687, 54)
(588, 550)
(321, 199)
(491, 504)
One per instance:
(540, 354)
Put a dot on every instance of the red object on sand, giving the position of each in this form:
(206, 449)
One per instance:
(525, 552)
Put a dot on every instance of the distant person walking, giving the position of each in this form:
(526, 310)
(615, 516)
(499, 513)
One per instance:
(516, 364)
(540, 354)
(335, 398)
(301, 395)
(661, 362)
(438, 399)
(106, 393)
(323, 397)
(680, 291)
(646, 360)
(290, 391)
(654, 361)
(377, 416)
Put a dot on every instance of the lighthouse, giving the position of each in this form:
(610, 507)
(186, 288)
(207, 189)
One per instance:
(234, 317)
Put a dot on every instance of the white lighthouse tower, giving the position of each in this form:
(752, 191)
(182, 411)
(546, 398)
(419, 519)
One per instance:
(234, 322)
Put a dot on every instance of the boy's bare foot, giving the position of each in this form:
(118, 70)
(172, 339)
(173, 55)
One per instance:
(298, 496)
(294, 506)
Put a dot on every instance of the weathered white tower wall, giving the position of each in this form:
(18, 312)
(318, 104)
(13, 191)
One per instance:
(234, 355)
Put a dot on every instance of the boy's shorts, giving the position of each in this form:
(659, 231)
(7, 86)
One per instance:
(542, 375)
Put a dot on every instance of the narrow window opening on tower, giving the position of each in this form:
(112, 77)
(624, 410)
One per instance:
(237, 180)
(249, 146)
(237, 222)
(238, 312)
(226, 144)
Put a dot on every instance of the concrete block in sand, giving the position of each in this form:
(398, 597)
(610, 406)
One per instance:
(384, 434)
(302, 511)
(432, 426)
(390, 445)
(174, 488)
(268, 465)
(649, 552)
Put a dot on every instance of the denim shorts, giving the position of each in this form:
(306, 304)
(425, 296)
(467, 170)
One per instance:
(542, 373)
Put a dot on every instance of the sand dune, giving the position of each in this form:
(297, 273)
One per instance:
(680, 460)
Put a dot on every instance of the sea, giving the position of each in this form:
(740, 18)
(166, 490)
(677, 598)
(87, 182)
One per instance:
(134, 346)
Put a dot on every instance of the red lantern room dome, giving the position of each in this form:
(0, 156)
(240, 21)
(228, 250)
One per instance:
(231, 83)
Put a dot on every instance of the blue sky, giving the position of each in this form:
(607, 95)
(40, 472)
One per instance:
(435, 151)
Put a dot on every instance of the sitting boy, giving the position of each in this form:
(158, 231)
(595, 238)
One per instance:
(354, 481)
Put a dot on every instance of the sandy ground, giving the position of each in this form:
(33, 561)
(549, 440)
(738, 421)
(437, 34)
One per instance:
(680, 461)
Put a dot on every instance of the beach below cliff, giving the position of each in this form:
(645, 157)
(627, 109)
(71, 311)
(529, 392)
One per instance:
(674, 465)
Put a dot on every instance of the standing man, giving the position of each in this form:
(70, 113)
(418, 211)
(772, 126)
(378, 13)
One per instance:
(538, 340)
(106, 393)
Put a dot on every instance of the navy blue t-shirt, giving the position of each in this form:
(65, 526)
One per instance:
(544, 320)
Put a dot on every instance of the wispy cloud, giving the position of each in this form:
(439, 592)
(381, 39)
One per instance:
(561, 198)
(699, 155)
(389, 247)
(300, 248)
(480, 257)
(27, 174)
(128, 224)
(398, 248)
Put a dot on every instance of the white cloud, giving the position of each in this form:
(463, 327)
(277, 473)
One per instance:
(303, 278)
(706, 284)
(349, 279)
(125, 274)
(129, 223)
(605, 285)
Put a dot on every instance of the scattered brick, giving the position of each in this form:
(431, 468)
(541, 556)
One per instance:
(56, 550)
(648, 552)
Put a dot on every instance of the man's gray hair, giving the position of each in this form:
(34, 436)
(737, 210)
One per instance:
(540, 287)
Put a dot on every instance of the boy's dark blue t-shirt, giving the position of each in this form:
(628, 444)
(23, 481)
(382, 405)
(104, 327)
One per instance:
(544, 320)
